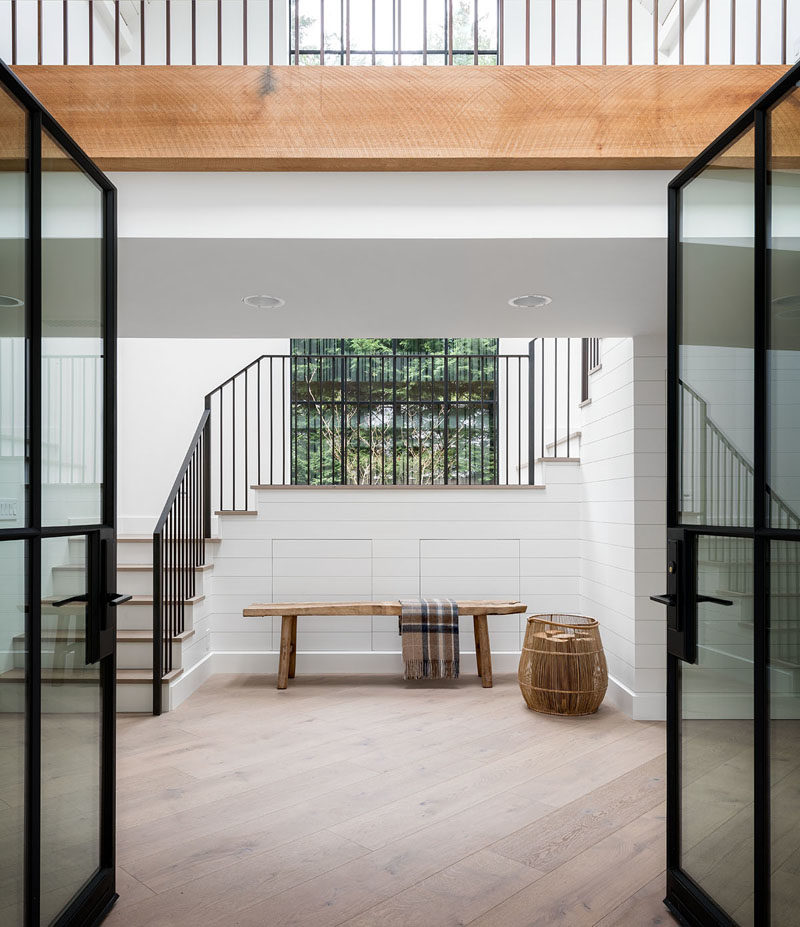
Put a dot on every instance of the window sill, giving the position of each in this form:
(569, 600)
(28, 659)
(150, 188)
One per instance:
(450, 487)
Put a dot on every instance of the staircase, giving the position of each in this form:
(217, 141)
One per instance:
(134, 623)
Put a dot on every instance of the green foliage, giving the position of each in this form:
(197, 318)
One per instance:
(370, 410)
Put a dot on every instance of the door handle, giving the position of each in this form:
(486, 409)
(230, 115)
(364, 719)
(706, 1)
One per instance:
(113, 599)
(83, 597)
(714, 599)
(667, 599)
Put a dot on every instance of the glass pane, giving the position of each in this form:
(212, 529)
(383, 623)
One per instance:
(13, 232)
(717, 731)
(72, 342)
(12, 728)
(784, 742)
(783, 358)
(71, 715)
(715, 338)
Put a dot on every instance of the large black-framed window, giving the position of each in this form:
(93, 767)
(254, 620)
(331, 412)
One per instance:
(57, 507)
(733, 520)
(394, 411)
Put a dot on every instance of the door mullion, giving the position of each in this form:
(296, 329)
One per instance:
(760, 517)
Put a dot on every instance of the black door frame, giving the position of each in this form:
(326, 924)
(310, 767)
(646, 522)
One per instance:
(99, 894)
(685, 897)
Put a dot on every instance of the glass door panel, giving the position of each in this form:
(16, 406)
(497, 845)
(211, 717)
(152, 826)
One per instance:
(784, 737)
(715, 341)
(71, 726)
(13, 659)
(72, 341)
(13, 319)
(716, 729)
(783, 356)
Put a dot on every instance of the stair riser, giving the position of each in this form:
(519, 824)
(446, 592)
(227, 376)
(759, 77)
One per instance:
(140, 617)
(139, 654)
(138, 582)
(130, 655)
(138, 552)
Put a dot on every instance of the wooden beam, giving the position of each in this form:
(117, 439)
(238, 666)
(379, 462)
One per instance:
(409, 118)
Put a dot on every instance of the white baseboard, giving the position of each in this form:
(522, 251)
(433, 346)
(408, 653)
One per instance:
(341, 663)
(191, 680)
(648, 706)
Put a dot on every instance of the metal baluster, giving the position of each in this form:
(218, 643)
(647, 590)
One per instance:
(630, 31)
(758, 31)
(527, 31)
(655, 30)
(424, 32)
(475, 32)
(219, 32)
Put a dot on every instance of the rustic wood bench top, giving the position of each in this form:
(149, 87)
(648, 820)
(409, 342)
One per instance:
(466, 607)
(480, 609)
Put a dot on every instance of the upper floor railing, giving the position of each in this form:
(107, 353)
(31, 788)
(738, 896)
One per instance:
(399, 32)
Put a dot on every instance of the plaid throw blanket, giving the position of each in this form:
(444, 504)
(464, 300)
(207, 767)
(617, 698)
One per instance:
(429, 628)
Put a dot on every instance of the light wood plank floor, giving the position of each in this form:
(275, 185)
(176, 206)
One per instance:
(370, 802)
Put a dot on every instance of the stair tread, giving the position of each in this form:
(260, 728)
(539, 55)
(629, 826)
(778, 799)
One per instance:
(123, 634)
(148, 600)
(148, 539)
(143, 567)
(134, 676)
(127, 567)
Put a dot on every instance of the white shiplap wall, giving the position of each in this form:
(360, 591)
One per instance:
(340, 544)
(591, 541)
(623, 464)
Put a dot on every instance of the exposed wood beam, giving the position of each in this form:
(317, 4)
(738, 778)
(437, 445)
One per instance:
(409, 118)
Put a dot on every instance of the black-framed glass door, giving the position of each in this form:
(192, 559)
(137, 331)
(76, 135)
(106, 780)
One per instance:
(733, 538)
(57, 517)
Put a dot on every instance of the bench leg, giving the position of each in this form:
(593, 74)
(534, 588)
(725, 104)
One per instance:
(293, 655)
(477, 645)
(284, 661)
(483, 648)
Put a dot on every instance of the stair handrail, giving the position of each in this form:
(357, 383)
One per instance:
(724, 440)
(179, 549)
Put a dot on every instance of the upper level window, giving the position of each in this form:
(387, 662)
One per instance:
(409, 411)
(393, 32)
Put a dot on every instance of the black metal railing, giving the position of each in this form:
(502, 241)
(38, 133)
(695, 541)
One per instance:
(178, 551)
(716, 477)
(377, 419)
(590, 361)
(717, 489)
(387, 32)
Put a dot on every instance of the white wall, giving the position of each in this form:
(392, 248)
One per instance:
(623, 462)
(335, 544)
(162, 383)
(591, 541)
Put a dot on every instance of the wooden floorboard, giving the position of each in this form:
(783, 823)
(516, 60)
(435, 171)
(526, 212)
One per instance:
(369, 802)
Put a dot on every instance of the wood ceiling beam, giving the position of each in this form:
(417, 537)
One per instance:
(401, 118)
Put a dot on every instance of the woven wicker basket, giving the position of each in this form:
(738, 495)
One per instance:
(562, 670)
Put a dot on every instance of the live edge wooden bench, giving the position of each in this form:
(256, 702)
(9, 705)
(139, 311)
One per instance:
(289, 612)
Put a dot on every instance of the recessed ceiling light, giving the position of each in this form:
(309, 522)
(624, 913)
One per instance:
(10, 302)
(264, 302)
(530, 302)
